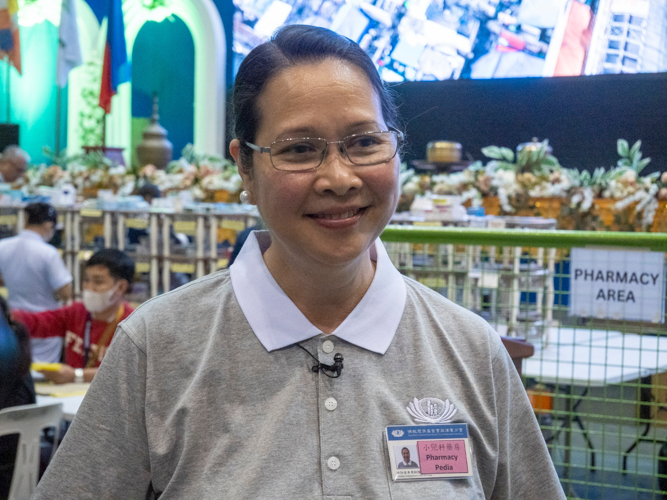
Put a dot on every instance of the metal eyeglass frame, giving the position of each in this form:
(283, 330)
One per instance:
(267, 149)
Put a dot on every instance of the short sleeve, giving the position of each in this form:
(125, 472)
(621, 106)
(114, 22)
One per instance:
(105, 452)
(58, 274)
(525, 468)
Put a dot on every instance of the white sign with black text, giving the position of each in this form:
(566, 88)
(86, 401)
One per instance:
(613, 284)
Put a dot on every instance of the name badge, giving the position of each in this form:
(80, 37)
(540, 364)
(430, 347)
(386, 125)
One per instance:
(429, 451)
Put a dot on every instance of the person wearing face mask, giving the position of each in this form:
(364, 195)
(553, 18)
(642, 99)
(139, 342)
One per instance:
(35, 275)
(87, 327)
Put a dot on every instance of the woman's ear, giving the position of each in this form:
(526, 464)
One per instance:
(235, 151)
(246, 175)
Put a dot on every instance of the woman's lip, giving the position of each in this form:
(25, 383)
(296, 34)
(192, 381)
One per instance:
(335, 213)
(339, 223)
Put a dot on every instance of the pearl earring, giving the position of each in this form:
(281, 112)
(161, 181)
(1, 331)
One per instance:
(244, 196)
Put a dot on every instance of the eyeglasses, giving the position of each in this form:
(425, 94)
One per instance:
(307, 153)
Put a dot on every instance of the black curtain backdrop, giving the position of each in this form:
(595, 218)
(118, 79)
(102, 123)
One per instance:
(581, 116)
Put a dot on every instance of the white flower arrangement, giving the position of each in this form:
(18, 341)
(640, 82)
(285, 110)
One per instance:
(646, 201)
(201, 174)
(517, 178)
(504, 200)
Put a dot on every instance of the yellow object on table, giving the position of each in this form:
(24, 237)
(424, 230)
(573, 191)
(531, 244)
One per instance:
(443, 152)
(46, 367)
(61, 390)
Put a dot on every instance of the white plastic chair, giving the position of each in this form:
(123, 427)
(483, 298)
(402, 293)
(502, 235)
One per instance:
(28, 421)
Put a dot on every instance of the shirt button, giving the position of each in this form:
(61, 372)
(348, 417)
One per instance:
(333, 463)
(330, 404)
(328, 346)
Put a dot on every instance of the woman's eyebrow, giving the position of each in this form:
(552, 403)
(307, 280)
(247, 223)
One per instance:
(366, 123)
(298, 132)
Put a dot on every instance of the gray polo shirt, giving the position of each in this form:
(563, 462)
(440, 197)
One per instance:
(195, 403)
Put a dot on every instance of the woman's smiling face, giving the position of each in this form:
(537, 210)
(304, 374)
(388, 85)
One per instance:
(330, 215)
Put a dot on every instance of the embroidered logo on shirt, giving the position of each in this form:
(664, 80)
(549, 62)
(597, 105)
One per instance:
(431, 410)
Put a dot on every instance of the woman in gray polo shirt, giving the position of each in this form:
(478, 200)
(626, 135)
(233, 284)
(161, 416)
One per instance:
(211, 391)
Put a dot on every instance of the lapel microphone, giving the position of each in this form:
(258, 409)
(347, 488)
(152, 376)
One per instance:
(336, 369)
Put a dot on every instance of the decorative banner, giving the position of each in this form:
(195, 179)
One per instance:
(69, 49)
(617, 285)
(10, 43)
(115, 68)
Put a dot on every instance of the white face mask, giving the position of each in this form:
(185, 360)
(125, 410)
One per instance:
(96, 302)
(49, 236)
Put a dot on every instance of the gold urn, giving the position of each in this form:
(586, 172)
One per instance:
(155, 148)
(443, 152)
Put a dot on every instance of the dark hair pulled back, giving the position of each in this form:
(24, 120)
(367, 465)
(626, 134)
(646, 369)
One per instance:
(290, 46)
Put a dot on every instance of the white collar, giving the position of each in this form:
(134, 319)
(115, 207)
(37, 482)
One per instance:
(278, 323)
(33, 235)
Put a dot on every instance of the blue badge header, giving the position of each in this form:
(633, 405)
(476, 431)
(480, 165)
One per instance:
(436, 431)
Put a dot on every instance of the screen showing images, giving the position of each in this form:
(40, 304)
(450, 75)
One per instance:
(425, 40)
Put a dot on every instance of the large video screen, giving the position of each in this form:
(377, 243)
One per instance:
(423, 40)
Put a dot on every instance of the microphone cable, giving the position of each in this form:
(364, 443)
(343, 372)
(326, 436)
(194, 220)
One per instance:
(336, 368)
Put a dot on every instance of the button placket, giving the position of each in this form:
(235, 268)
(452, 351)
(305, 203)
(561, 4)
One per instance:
(333, 463)
(328, 346)
(331, 404)
(328, 414)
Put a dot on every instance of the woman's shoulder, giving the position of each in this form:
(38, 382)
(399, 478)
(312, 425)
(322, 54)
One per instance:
(444, 317)
(425, 299)
(186, 307)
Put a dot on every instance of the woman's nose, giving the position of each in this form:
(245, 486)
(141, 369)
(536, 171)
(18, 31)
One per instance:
(337, 174)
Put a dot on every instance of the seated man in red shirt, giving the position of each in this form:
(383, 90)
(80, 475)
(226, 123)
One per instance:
(87, 326)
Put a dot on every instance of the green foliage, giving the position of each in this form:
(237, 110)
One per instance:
(90, 119)
(476, 166)
(61, 160)
(631, 157)
(95, 159)
(597, 181)
(497, 153)
(191, 156)
(537, 161)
